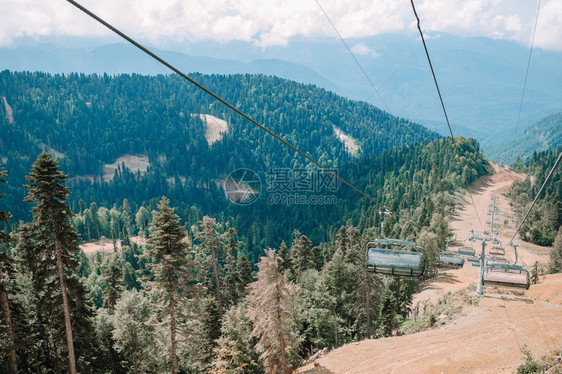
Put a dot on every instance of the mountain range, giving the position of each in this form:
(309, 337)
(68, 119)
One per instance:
(481, 79)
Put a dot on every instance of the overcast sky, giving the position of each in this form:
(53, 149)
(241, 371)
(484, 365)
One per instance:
(275, 22)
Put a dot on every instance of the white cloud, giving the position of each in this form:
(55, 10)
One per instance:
(362, 50)
(275, 22)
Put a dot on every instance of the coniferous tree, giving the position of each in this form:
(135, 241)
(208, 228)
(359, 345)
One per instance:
(234, 353)
(211, 246)
(133, 333)
(301, 256)
(56, 239)
(285, 265)
(6, 277)
(555, 264)
(211, 326)
(114, 277)
(245, 276)
(271, 314)
(231, 276)
(170, 271)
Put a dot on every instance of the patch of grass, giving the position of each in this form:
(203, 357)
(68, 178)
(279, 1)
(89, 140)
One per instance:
(446, 308)
(551, 363)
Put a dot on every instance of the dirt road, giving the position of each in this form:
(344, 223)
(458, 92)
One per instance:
(489, 335)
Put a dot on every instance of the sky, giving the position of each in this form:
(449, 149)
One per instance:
(276, 22)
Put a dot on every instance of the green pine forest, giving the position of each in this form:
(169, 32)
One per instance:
(201, 285)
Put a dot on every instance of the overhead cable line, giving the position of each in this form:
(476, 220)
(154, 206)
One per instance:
(528, 64)
(353, 55)
(391, 76)
(216, 97)
(445, 112)
(536, 197)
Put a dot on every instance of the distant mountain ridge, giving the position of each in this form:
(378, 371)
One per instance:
(90, 121)
(481, 79)
(542, 136)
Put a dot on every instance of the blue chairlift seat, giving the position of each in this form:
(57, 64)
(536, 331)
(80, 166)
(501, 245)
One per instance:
(466, 250)
(511, 276)
(450, 260)
(398, 262)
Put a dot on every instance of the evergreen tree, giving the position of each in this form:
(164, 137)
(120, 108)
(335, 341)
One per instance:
(245, 276)
(56, 242)
(170, 277)
(133, 333)
(211, 326)
(231, 276)
(114, 278)
(555, 264)
(270, 311)
(7, 269)
(301, 256)
(285, 264)
(234, 353)
(387, 314)
(211, 246)
(339, 278)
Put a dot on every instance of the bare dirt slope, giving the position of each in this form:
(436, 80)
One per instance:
(488, 335)
(106, 245)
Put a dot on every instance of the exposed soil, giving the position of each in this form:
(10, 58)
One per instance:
(349, 143)
(106, 245)
(214, 128)
(9, 111)
(489, 335)
(133, 163)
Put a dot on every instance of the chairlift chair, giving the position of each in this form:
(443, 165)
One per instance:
(497, 251)
(466, 250)
(399, 262)
(496, 260)
(382, 258)
(449, 259)
(506, 275)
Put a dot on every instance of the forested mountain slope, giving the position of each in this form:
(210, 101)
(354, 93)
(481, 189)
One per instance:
(544, 135)
(88, 121)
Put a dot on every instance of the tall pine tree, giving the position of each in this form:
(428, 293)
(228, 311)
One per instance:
(56, 240)
(6, 270)
(170, 271)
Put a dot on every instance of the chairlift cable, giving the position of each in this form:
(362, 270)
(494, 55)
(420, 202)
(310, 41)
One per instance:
(528, 64)
(352, 55)
(445, 112)
(391, 76)
(218, 98)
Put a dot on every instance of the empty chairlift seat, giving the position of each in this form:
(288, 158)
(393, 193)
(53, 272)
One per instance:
(466, 250)
(450, 260)
(497, 251)
(398, 262)
(512, 276)
(496, 260)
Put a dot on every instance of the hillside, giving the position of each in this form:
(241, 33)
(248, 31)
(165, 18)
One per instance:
(481, 79)
(544, 135)
(489, 333)
(140, 137)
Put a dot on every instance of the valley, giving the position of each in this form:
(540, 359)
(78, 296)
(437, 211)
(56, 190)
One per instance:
(490, 332)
